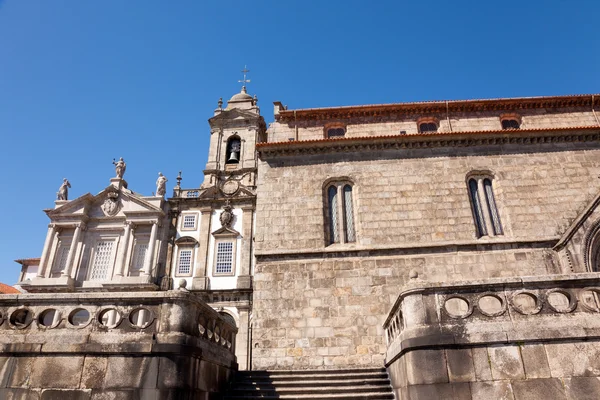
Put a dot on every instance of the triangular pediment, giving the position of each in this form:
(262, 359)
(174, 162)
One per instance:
(110, 202)
(226, 231)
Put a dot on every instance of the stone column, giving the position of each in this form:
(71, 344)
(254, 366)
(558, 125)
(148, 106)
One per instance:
(72, 250)
(244, 280)
(199, 281)
(52, 253)
(150, 253)
(122, 257)
(484, 208)
(46, 251)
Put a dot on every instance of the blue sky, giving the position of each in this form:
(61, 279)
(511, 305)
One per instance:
(83, 82)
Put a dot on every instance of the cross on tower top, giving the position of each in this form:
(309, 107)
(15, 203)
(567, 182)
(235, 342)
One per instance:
(244, 81)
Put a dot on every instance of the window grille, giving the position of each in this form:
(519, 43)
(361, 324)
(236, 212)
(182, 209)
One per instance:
(189, 221)
(139, 257)
(348, 217)
(485, 211)
(185, 262)
(477, 210)
(491, 203)
(334, 236)
(61, 259)
(224, 258)
(102, 261)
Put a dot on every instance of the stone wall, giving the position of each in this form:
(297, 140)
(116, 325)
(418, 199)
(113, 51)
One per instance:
(533, 338)
(167, 345)
(322, 306)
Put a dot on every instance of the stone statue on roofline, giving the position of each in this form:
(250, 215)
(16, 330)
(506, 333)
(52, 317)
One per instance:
(63, 191)
(161, 187)
(120, 167)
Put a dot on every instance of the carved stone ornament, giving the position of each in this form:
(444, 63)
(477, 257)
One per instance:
(229, 187)
(111, 205)
(226, 217)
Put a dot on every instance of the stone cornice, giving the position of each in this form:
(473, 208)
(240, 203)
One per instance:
(420, 141)
(378, 110)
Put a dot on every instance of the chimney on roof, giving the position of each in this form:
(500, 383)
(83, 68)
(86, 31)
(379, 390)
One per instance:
(278, 106)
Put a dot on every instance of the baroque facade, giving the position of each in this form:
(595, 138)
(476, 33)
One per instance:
(456, 243)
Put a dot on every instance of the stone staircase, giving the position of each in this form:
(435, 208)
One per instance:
(347, 384)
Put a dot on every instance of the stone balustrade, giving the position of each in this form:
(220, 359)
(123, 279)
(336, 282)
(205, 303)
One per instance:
(90, 334)
(492, 337)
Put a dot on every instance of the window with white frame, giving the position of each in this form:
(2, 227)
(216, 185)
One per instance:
(340, 213)
(184, 262)
(483, 204)
(189, 221)
(102, 261)
(224, 258)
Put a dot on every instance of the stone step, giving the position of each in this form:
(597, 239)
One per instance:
(354, 381)
(344, 396)
(348, 384)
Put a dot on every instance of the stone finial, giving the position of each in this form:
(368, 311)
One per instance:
(120, 167)
(182, 284)
(161, 185)
(179, 178)
(220, 103)
(63, 191)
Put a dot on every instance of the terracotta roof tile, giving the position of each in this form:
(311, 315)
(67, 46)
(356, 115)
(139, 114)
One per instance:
(5, 289)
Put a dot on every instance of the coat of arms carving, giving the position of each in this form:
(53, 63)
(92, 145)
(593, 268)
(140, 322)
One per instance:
(111, 205)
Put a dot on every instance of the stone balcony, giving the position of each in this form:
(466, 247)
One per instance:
(128, 345)
(514, 338)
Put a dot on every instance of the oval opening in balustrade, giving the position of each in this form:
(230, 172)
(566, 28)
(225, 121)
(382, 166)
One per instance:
(141, 318)
(21, 318)
(526, 303)
(49, 318)
(560, 301)
(491, 305)
(79, 317)
(457, 307)
(109, 318)
(590, 299)
(217, 333)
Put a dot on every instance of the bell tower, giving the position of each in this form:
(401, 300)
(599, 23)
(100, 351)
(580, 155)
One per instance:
(212, 254)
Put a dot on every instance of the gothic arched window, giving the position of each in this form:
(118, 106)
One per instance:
(483, 204)
(233, 150)
(340, 213)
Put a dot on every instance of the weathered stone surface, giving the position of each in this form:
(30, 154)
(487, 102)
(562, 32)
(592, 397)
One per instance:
(539, 389)
(56, 372)
(573, 359)
(94, 370)
(66, 394)
(535, 361)
(582, 388)
(497, 390)
(142, 372)
(460, 365)
(426, 366)
(506, 362)
(481, 363)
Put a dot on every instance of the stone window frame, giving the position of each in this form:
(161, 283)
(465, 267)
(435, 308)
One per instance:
(225, 238)
(182, 226)
(510, 117)
(339, 184)
(486, 216)
(332, 126)
(428, 120)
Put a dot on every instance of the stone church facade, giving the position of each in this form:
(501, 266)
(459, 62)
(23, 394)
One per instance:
(455, 243)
